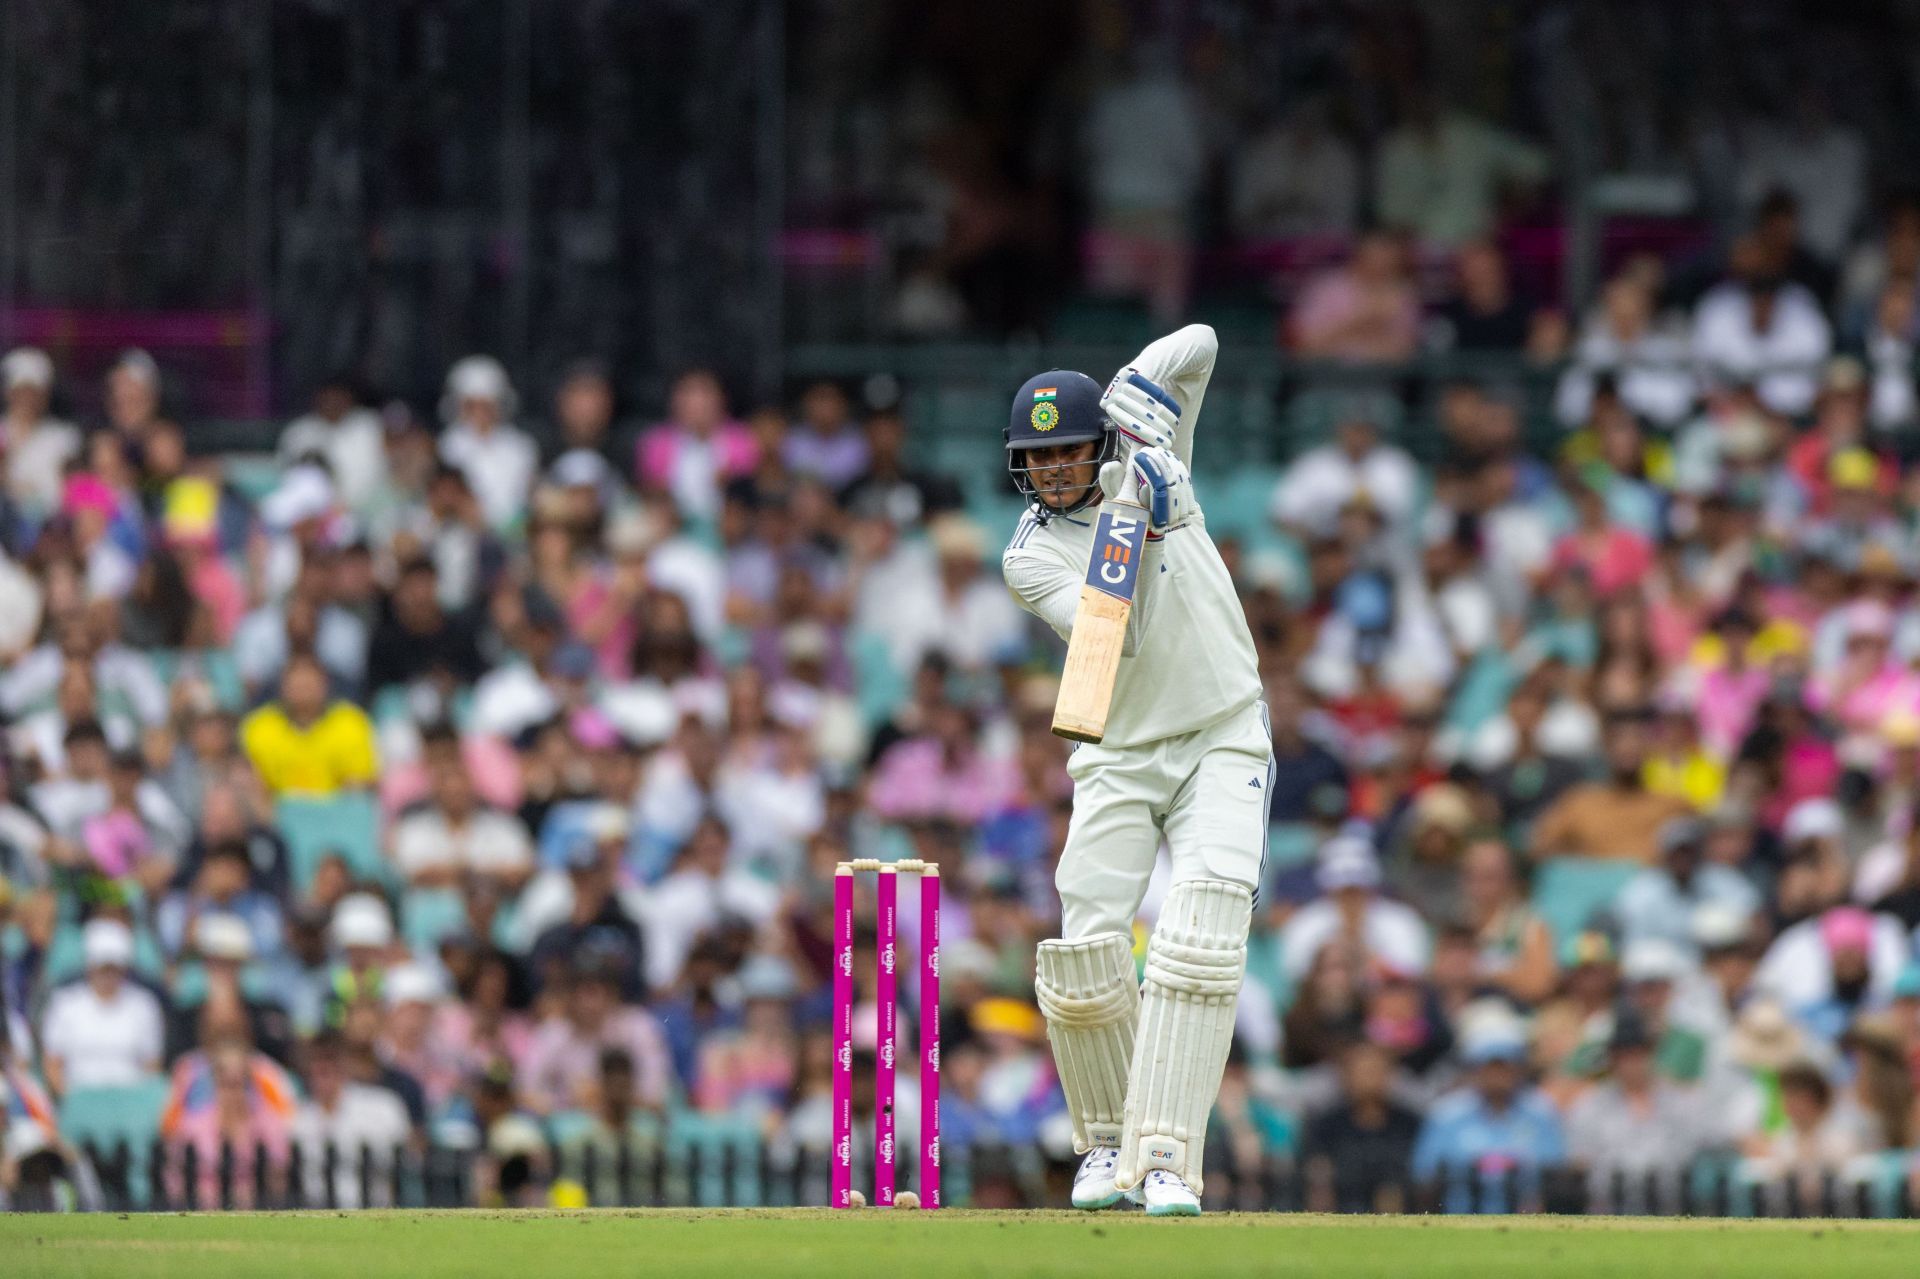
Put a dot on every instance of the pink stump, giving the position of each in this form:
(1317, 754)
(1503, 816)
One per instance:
(886, 995)
(843, 1037)
(930, 1037)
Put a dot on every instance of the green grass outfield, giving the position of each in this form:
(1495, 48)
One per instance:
(745, 1244)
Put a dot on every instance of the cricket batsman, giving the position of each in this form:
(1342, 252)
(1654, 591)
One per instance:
(1187, 756)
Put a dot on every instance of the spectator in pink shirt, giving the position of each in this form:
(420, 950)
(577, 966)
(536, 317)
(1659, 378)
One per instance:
(942, 774)
(563, 1061)
(693, 454)
(1730, 692)
(1365, 311)
(1867, 683)
(1614, 558)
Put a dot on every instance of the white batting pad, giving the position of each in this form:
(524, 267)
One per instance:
(1091, 1000)
(1194, 965)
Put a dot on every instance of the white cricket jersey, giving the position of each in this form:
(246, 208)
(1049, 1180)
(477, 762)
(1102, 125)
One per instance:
(1188, 660)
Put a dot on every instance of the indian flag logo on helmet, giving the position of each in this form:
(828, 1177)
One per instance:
(1046, 414)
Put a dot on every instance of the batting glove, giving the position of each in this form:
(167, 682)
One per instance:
(1164, 487)
(1141, 410)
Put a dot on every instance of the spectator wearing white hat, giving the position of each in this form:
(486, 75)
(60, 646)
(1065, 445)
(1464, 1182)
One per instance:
(224, 945)
(1352, 912)
(104, 1031)
(38, 446)
(498, 459)
(1653, 971)
(360, 934)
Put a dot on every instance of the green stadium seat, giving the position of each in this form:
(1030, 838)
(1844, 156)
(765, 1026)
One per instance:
(344, 824)
(1569, 891)
(878, 687)
(713, 1140)
(429, 914)
(107, 1117)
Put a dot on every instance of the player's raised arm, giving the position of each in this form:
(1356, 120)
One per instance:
(1176, 367)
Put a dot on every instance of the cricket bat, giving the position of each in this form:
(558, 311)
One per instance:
(1100, 623)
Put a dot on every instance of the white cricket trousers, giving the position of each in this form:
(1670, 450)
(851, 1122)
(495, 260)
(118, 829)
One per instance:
(1207, 791)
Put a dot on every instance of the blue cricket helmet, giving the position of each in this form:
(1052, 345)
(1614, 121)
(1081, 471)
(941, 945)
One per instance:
(1051, 408)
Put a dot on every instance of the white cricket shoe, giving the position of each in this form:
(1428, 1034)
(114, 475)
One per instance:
(1166, 1195)
(1093, 1186)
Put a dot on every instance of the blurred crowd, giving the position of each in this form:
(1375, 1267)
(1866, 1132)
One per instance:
(472, 780)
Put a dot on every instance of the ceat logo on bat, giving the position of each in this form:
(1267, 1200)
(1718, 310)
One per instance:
(1115, 564)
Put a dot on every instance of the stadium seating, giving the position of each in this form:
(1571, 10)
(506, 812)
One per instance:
(343, 824)
(1569, 891)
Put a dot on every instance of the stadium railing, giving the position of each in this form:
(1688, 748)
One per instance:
(645, 1170)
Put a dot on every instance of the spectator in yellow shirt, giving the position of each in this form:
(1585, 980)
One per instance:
(306, 745)
(1680, 764)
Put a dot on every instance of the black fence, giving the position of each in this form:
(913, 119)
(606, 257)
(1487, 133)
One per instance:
(652, 1173)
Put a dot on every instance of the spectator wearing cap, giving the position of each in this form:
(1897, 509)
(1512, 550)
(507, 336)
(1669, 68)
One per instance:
(1636, 1134)
(1492, 1127)
(698, 450)
(106, 1030)
(961, 612)
(497, 458)
(1616, 818)
(360, 935)
(38, 445)
(345, 435)
(561, 1067)
(1839, 962)
(132, 395)
(1814, 869)
(410, 998)
(354, 1128)
(1654, 972)
(307, 744)
(1663, 900)
(1352, 913)
(212, 993)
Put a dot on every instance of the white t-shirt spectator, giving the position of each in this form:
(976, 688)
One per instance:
(688, 903)
(1797, 969)
(1394, 934)
(499, 466)
(1783, 361)
(1323, 480)
(355, 449)
(37, 463)
(1652, 372)
(103, 1043)
(365, 1117)
(490, 843)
